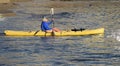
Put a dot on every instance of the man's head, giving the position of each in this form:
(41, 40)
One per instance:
(45, 19)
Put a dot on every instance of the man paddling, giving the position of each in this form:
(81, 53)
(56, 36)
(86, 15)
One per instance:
(45, 26)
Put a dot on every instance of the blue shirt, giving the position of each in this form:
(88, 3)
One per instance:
(45, 26)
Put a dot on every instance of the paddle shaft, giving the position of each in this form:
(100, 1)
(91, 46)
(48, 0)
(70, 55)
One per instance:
(52, 19)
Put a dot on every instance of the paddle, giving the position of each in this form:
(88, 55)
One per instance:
(36, 32)
(52, 19)
(52, 15)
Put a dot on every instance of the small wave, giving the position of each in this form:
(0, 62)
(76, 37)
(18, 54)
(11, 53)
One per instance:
(116, 35)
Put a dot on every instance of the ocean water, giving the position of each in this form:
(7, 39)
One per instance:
(93, 50)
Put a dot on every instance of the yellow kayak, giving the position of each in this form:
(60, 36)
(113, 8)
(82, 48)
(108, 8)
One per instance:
(62, 33)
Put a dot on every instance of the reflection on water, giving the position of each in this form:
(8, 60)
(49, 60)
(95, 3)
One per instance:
(94, 50)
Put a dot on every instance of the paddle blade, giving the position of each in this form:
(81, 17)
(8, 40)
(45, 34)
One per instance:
(52, 11)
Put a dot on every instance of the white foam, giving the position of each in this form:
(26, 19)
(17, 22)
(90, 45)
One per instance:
(116, 35)
(2, 19)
